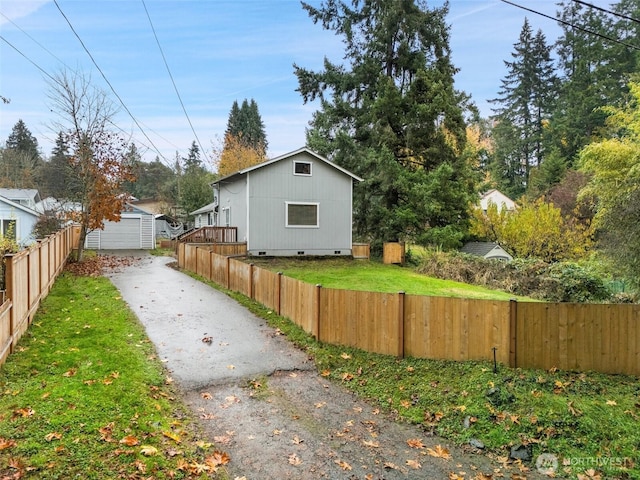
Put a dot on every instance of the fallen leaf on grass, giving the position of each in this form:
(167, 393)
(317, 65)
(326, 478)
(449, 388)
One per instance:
(346, 356)
(325, 373)
(130, 441)
(52, 436)
(70, 373)
(173, 436)
(23, 412)
(573, 410)
(6, 443)
(611, 402)
(148, 450)
(439, 452)
(590, 474)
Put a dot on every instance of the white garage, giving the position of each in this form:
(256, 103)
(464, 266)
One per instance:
(134, 231)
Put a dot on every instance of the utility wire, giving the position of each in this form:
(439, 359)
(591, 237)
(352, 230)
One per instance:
(67, 66)
(175, 87)
(607, 11)
(585, 30)
(108, 83)
(28, 59)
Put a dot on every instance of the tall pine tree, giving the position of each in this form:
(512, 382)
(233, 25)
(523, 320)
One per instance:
(525, 103)
(390, 114)
(245, 140)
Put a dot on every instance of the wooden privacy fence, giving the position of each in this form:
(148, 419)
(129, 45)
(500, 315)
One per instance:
(582, 337)
(29, 276)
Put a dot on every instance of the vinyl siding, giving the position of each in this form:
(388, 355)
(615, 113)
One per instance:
(271, 188)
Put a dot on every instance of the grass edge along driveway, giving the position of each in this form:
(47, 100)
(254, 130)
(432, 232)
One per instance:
(85, 396)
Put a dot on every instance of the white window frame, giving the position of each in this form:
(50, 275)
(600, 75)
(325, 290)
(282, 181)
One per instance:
(305, 162)
(2, 228)
(226, 216)
(286, 214)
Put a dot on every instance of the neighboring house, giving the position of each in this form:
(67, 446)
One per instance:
(296, 204)
(17, 221)
(27, 197)
(135, 230)
(488, 250)
(205, 215)
(498, 198)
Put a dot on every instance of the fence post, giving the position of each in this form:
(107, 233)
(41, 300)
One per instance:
(228, 275)
(10, 295)
(513, 333)
(400, 324)
(251, 281)
(279, 293)
(316, 323)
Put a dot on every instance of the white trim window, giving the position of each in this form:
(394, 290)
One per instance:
(302, 168)
(302, 214)
(226, 214)
(10, 228)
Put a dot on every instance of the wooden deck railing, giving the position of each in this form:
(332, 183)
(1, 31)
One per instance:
(211, 234)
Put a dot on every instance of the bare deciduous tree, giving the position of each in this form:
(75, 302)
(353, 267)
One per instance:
(98, 155)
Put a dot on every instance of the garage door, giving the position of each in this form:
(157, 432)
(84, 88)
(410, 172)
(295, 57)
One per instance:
(124, 234)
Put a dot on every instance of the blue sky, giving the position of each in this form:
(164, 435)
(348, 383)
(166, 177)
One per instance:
(218, 51)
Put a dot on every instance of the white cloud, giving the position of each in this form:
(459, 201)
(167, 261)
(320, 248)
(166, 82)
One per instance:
(14, 9)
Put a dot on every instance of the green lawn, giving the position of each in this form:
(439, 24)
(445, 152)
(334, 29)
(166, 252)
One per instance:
(374, 276)
(84, 396)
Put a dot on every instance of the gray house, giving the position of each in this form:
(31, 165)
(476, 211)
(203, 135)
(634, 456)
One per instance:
(296, 204)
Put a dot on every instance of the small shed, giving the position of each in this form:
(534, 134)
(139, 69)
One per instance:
(488, 250)
(135, 231)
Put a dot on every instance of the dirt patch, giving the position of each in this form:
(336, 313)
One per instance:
(298, 425)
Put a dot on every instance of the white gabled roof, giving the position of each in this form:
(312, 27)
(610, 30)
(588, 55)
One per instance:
(288, 155)
(19, 206)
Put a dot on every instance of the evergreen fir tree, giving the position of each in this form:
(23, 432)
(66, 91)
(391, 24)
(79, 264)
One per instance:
(524, 104)
(390, 114)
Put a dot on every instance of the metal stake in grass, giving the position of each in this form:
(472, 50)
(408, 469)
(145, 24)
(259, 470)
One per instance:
(495, 363)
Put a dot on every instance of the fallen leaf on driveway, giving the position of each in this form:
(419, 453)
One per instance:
(439, 452)
(343, 465)
(294, 459)
(415, 443)
(413, 464)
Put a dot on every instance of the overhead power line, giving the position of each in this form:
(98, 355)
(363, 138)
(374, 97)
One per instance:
(582, 29)
(175, 87)
(108, 82)
(590, 5)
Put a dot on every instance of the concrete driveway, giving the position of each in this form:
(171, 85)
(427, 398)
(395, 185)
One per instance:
(203, 336)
